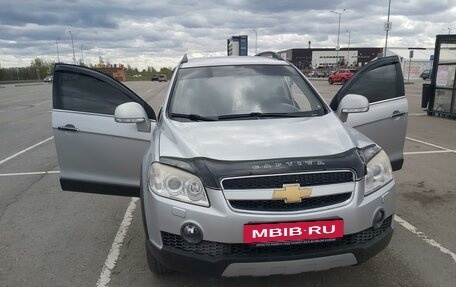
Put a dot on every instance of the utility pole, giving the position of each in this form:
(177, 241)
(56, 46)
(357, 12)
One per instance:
(72, 44)
(100, 60)
(82, 57)
(58, 56)
(388, 25)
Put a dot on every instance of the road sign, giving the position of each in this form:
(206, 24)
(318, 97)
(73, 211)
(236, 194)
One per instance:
(388, 26)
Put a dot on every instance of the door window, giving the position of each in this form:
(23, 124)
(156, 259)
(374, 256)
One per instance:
(377, 85)
(82, 93)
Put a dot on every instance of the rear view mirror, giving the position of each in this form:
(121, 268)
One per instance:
(133, 113)
(352, 103)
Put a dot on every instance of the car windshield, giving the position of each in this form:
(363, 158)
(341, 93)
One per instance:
(237, 92)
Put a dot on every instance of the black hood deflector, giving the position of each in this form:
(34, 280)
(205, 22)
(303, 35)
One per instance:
(212, 171)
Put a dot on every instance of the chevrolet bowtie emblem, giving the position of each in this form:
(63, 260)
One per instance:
(292, 193)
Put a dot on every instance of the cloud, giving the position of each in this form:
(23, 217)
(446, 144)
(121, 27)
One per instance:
(158, 33)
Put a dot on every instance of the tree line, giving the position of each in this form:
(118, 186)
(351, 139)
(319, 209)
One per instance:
(39, 69)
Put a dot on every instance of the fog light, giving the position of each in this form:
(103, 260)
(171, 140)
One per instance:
(378, 218)
(191, 233)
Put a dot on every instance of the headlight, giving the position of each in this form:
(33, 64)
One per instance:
(176, 184)
(379, 172)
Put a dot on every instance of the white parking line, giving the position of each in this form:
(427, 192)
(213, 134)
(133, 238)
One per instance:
(29, 173)
(428, 152)
(42, 102)
(423, 236)
(113, 255)
(426, 143)
(10, 102)
(24, 150)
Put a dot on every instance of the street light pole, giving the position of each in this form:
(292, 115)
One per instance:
(72, 44)
(256, 41)
(348, 49)
(338, 34)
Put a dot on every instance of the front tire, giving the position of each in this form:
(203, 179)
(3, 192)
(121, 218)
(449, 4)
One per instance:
(330, 81)
(155, 266)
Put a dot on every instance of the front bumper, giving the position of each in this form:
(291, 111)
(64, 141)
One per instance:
(220, 223)
(222, 252)
(218, 259)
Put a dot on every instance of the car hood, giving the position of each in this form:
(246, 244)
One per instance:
(254, 139)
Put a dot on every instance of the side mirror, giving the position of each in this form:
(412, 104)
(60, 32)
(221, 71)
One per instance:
(133, 113)
(352, 103)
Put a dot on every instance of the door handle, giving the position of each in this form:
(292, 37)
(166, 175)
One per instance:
(397, 114)
(68, 128)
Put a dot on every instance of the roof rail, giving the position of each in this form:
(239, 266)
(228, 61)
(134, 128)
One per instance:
(270, 54)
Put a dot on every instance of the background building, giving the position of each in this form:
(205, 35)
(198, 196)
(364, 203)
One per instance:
(413, 67)
(237, 45)
(313, 58)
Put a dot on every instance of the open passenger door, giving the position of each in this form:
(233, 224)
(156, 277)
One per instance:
(99, 148)
(382, 83)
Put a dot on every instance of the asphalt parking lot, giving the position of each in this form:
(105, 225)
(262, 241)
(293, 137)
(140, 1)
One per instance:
(54, 238)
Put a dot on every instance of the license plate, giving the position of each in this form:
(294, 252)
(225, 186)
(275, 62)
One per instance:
(293, 231)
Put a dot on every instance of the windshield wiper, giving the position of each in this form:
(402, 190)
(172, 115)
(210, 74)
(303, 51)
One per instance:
(262, 115)
(193, 117)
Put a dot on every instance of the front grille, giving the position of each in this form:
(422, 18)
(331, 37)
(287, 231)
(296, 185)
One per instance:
(214, 249)
(277, 181)
(280, 205)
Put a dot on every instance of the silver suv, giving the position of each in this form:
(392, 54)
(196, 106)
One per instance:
(246, 170)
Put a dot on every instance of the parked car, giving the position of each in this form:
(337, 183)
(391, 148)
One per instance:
(426, 74)
(316, 74)
(155, 78)
(48, 79)
(162, 78)
(229, 183)
(340, 76)
(325, 74)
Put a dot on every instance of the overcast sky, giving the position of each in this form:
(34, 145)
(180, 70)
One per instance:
(158, 33)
